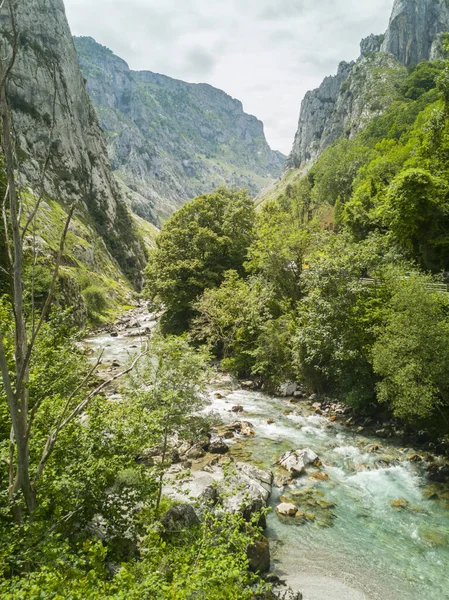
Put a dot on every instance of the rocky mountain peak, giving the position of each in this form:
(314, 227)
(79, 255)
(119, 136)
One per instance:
(170, 140)
(360, 91)
(53, 115)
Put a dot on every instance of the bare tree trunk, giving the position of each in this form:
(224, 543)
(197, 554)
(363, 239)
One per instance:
(161, 474)
(19, 404)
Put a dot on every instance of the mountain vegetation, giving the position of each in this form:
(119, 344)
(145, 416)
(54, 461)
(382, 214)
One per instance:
(343, 285)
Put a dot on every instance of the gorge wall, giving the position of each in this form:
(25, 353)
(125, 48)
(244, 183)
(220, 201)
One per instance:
(54, 117)
(170, 140)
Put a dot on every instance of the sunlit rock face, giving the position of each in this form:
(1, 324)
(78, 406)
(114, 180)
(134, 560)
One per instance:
(171, 140)
(413, 27)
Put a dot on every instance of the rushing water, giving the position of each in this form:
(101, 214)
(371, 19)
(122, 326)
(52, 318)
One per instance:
(365, 549)
(371, 550)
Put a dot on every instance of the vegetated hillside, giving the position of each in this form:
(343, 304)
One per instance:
(170, 140)
(60, 152)
(341, 288)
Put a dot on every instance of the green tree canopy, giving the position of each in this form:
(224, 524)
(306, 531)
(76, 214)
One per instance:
(205, 238)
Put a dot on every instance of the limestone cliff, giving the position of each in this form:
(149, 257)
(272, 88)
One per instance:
(53, 115)
(413, 28)
(344, 104)
(170, 140)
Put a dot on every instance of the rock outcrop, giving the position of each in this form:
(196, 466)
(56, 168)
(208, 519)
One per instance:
(344, 104)
(53, 116)
(414, 26)
(170, 140)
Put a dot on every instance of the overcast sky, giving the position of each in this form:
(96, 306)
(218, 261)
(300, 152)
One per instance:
(266, 53)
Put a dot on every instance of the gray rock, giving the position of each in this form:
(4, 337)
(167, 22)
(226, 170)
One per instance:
(288, 594)
(414, 26)
(259, 555)
(296, 461)
(79, 168)
(285, 509)
(287, 389)
(178, 518)
(246, 490)
(218, 447)
(372, 43)
(345, 103)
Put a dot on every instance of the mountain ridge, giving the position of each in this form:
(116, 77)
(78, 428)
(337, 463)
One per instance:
(171, 140)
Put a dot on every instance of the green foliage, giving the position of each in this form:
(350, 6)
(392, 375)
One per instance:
(416, 212)
(411, 352)
(170, 385)
(336, 319)
(280, 247)
(97, 502)
(423, 78)
(334, 174)
(203, 240)
(96, 300)
(207, 562)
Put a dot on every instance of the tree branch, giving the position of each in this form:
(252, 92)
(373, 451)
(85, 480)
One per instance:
(48, 301)
(52, 438)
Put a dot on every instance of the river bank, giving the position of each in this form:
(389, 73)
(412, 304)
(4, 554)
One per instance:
(382, 530)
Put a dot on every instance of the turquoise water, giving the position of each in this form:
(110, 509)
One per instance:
(371, 550)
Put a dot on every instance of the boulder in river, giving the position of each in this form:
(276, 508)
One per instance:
(246, 489)
(287, 389)
(399, 503)
(296, 461)
(242, 428)
(286, 509)
(258, 554)
(218, 446)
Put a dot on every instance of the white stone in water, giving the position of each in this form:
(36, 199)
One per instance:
(296, 461)
(286, 509)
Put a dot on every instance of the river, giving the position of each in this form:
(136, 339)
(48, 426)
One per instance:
(359, 546)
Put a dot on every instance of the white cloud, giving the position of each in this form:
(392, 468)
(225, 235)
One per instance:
(266, 53)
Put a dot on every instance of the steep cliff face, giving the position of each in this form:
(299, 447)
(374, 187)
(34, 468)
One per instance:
(316, 111)
(413, 27)
(346, 103)
(170, 140)
(53, 116)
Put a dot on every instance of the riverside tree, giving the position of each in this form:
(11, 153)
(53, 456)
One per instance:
(21, 329)
(197, 245)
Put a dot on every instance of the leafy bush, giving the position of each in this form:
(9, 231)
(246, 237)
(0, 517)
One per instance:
(96, 302)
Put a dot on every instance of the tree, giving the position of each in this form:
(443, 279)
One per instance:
(19, 341)
(242, 323)
(197, 245)
(411, 352)
(336, 318)
(279, 251)
(170, 385)
(416, 211)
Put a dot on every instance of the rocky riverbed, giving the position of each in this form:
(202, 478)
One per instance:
(355, 515)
